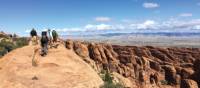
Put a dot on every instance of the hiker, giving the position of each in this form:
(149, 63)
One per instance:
(49, 33)
(55, 36)
(44, 43)
(33, 34)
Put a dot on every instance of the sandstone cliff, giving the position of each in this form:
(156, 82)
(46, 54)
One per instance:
(144, 67)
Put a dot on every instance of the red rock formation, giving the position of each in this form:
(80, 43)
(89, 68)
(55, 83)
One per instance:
(147, 65)
(186, 83)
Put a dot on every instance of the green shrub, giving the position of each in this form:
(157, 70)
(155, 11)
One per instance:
(20, 42)
(164, 82)
(6, 45)
(9, 46)
(3, 51)
(108, 80)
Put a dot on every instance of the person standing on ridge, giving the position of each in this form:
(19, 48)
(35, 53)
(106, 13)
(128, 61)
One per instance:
(49, 36)
(33, 34)
(44, 43)
(55, 36)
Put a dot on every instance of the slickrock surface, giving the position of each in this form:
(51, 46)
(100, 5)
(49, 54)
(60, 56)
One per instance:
(61, 68)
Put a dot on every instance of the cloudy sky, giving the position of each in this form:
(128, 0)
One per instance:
(20, 16)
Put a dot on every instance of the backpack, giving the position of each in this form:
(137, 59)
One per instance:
(44, 39)
(44, 33)
(54, 33)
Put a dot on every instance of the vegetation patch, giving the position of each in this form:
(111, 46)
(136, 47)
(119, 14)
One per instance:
(7, 45)
(164, 82)
(108, 80)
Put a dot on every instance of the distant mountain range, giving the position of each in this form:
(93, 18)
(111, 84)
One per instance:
(167, 34)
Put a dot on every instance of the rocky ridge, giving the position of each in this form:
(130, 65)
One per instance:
(144, 67)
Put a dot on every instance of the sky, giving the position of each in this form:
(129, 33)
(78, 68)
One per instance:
(65, 16)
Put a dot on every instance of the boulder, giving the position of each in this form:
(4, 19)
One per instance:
(109, 56)
(160, 55)
(178, 79)
(154, 78)
(81, 49)
(186, 73)
(140, 52)
(187, 58)
(102, 53)
(154, 65)
(94, 53)
(186, 65)
(145, 62)
(187, 83)
(69, 44)
(117, 78)
(143, 77)
(170, 74)
(125, 59)
(196, 66)
(110, 48)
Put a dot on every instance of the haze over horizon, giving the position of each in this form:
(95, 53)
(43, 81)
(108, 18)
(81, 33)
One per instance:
(99, 16)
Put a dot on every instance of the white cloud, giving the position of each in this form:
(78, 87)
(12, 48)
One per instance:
(102, 19)
(74, 29)
(151, 25)
(178, 24)
(98, 27)
(150, 5)
(90, 26)
(186, 14)
(27, 31)
(103, 27)
(148, 24)
(169, 24)
(197, 27)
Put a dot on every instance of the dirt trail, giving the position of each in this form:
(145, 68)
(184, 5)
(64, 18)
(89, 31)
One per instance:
(61, 68)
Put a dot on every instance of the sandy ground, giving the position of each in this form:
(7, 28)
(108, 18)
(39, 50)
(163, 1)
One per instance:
(61, 68)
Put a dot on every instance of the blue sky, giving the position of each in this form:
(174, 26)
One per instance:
(20, 16)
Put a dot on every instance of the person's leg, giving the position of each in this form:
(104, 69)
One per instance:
(46, 48)
(34, 40)
(42, 51)
(54, 39)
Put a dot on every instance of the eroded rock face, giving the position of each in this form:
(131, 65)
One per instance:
(170, 74)
(186, 83)
(155, 65)
(147, 65)
(81, 49)
(186, 73)
(196, 68)
(69, 44)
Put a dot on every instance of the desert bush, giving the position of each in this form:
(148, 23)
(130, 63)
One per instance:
(164, 82)
(20, 42)
(7, 45)
(3, 51)
(108, 80)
